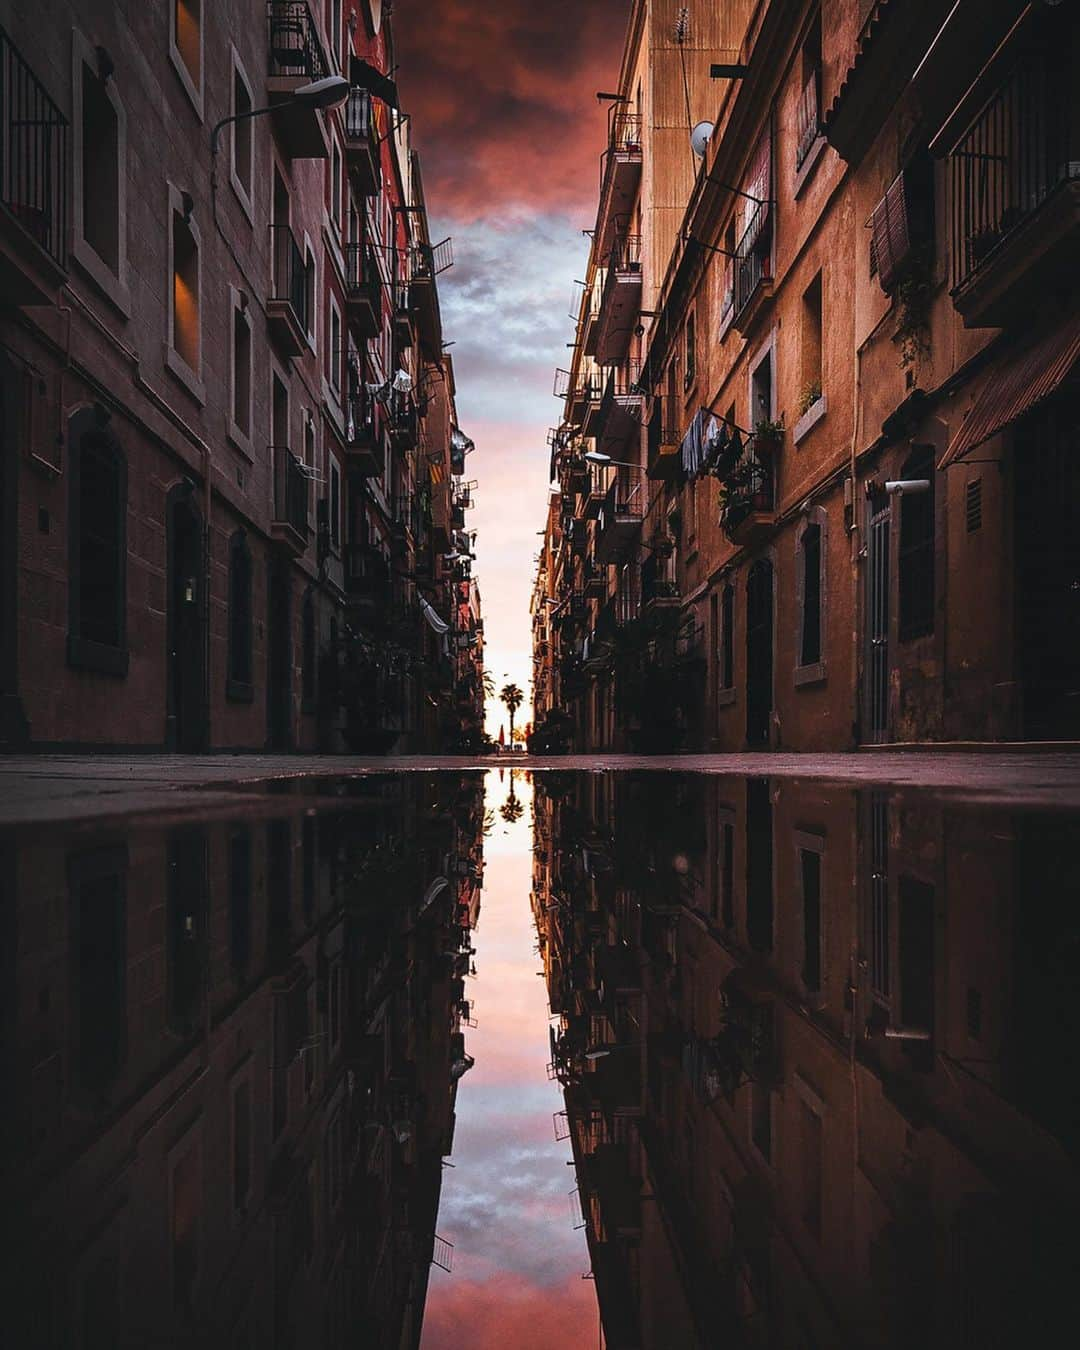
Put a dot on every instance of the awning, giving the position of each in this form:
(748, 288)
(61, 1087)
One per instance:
(1013, 389)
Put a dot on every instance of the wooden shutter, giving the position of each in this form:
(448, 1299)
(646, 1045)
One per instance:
(890, 223)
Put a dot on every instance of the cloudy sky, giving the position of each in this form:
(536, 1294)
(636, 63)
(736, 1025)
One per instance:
(503, 93)
(506, 1202)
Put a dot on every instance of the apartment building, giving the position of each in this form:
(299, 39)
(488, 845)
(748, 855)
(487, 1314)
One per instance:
(830, 502)
(226, 407)
(809, 1063)
(234, 1047)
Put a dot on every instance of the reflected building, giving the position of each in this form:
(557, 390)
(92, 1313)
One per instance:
(818, 1053)
(233, 1048)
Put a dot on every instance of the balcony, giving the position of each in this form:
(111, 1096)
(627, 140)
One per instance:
(362, 143)
(363, 290)
(583, 403)
(428, 260)
(748, 501)
(753, 268)
(1015, 188)
(403, 422)
(33, 184)
(621, 300)
(595, 494)
(620, 177)
(659, 589)
(619, 522)
(296, 58)
(404, 334)
(292, 492)
(591, 315)
(364, 443)
(665, 441)
(594, 580)
(367, 582)
(619, 416)
(287, 307)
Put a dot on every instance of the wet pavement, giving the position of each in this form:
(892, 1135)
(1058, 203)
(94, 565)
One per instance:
(630, 1056)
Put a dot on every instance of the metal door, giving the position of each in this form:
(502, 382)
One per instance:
(759, 653)
(877, 625)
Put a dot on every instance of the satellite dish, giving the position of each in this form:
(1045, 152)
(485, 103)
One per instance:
(699, 138)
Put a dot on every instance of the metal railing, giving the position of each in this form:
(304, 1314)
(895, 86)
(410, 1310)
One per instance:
(428, 260)
(626, 497)
(359, 123)
(291, 489)
(625, 256)
(656, 583)
(294, 46)
(625, 138)
(628, 596)
(1016, 152)
(362, 279)
(290, 273)
(33, 154)
(361, 419)
(753, 256)
(749, 487)
(808, 118)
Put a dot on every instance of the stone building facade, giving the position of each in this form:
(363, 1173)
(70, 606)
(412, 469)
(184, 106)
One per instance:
(226, 408)
(830, 501)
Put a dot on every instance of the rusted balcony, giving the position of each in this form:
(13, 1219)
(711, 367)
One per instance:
(287, 307)
(404, 333)
(621, 300)
(364, 442)
(33, 184)
(753, 267)
(665, 441)
(362, 143)
(619, 522)
(619, 417)
(292, 492)
(594, 496)
(583, 402)
(620, 177)
(660, 596)
(1015, 180)
(748, 500)
(367, 583)
(426, 263)
(591, 314)
(296, 58)
(403, 422)
(594, 580)
(363, 290)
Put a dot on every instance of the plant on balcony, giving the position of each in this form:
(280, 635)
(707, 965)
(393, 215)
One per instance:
(914, 294)
(808, 396)
(768, 436)
(662, 544)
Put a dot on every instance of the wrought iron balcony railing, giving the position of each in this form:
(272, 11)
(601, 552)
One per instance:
(290, 273)
(292, 490)
(295, 48)
(33, 155)
(753, 256)
(1022, 147)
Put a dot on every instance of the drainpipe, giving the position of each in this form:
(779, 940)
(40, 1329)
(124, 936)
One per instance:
(854, 535)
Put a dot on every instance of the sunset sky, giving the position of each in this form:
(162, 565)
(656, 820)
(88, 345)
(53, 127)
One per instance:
(510, 136)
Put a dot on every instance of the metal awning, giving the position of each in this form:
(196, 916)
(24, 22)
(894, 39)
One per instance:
(1014, 388)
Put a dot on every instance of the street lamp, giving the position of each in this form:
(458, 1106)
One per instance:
(598, 457)
(329, 92)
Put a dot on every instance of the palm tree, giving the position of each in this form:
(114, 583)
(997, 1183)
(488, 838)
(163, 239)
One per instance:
(512, 696)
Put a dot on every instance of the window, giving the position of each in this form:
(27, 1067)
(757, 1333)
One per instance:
(308, 653)
(811, 346)
(243, 139)
(759, 865)
(97, 884)
(808, 119)
(240, 620)
(241, 374)
(335, 185)
(335, 504)
(97, 599)
(810, 1148)
(973, 505)
(726, 877)
(691, 352)
(185, 47)
(333, 356)
(761, 1119)
(241, 1144)
(333, 28)
(186, 1208)
(916, 558)
(727, 637)
(100, 171)
(810, 874)
(810, 583)
(310, 293)
(185, 335)
(240, 900)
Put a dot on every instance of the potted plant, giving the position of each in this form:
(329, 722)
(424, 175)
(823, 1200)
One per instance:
(808, 396)
(768, 437)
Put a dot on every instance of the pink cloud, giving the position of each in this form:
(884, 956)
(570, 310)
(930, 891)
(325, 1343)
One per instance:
(510, 1311)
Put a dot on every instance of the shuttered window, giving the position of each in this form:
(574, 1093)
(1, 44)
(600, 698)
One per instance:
(891, 234)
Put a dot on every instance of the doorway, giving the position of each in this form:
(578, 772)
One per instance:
(1047, 604)
(877, 622)
(279, 657)
(186, 718)
(759, 653)
(13, 727)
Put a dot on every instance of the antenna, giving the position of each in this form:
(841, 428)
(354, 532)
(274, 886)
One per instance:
(699, 138)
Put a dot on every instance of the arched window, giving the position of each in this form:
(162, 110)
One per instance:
(916, 560)
(239, 683)
(97, 543)
(308, 653)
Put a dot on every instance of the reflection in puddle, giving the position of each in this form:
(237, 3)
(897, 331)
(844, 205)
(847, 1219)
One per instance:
(813, 1059)
(236, 1047)
(818, 1051)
